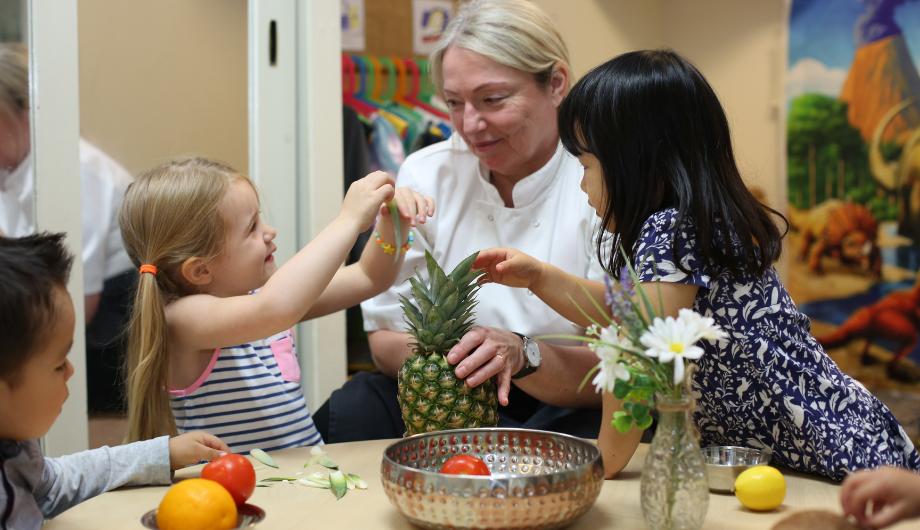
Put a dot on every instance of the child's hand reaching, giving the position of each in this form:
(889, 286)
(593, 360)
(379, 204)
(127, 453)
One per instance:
(507, 266)
(364, 198)
(193, 447)
(412, 206)
(894, 495)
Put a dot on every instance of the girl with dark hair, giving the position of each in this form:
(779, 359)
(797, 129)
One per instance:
(660, 173)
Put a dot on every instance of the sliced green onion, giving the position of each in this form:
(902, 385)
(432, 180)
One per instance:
(359, 482)
(397, 229)
(339, 485)
(314, 483)
(263, 457)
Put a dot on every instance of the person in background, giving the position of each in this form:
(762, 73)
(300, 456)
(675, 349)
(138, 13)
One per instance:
(36, 334)
(502, 178)
(108, 277)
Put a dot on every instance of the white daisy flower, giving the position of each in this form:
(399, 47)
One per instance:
(705, 327)
(672, 340)
(609, 369)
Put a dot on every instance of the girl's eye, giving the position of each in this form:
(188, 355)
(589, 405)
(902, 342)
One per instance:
(452, 103)
(61, 368)
(492, 100)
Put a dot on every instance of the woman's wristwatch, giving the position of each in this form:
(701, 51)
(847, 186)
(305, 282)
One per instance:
(532, 357)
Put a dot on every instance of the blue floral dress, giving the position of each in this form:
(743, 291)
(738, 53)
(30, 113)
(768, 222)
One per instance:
(770, 384)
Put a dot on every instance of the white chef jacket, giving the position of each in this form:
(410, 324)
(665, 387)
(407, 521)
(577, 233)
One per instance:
(103, 184)
(551, 220)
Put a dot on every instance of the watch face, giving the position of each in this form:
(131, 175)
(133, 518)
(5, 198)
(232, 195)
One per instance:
(532, 350)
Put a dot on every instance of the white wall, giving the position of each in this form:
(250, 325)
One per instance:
(740, 46)
(596, 30)
(165, 78)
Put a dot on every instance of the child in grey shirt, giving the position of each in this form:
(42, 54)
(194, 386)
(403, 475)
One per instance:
(36, 333)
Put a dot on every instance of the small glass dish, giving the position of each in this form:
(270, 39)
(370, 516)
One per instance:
(248, 516)
(725, 462)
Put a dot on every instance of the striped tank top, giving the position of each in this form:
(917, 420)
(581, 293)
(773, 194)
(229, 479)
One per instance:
(249, 396)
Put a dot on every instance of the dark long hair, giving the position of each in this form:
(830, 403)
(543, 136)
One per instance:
(662, 139)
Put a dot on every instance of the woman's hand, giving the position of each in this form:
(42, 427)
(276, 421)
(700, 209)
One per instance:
(486, 352)
(508, 266)
(193, 447)
(412, 205)
(894, 494)
(365, 197)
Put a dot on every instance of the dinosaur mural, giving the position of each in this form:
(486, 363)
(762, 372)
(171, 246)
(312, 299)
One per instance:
(853, 180)
(901, 176)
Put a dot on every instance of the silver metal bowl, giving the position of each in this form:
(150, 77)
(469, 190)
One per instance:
(724, 463)
(539, 479)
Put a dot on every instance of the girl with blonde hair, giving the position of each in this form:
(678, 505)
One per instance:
(212, 314)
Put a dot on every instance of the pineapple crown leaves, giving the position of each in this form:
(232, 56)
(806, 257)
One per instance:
(442, 311)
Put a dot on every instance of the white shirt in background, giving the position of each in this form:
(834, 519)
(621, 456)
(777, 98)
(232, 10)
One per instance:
(103, 184)
(551, 221)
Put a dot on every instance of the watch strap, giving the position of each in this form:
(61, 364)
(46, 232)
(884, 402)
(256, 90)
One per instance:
(528, 368)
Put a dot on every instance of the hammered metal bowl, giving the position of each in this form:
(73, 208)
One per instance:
(539, 479)
(725, 462)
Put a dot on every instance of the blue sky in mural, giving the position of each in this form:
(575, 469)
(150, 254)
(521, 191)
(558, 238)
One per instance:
(834, 44)
(822, 40)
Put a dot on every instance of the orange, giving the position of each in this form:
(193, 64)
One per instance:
(196, 504)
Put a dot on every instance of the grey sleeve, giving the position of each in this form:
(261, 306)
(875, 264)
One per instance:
(72, 479)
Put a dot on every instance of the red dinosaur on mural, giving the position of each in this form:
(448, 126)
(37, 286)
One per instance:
(895, 317)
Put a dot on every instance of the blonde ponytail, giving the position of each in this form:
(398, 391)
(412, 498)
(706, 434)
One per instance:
(147, 365)
(170, 214)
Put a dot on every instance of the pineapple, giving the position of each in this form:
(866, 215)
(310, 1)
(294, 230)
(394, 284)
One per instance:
(431, 397)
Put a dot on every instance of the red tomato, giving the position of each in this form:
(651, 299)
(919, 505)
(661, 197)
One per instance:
(465, 465)
(234, 473)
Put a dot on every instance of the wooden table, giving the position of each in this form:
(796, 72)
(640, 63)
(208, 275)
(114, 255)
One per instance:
(290, 506)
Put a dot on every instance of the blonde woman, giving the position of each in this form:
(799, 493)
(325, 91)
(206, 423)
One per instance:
(213, 313)
(503, 177)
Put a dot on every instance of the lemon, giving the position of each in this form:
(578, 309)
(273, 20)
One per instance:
(760, 488)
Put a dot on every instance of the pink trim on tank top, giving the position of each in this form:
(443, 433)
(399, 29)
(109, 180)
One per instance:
(198, 382)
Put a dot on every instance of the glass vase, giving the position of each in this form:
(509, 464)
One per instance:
(674, 490)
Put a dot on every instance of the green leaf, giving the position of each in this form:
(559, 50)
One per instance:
(263, 457)
(584, 380)
(640, 412)
(397, 229)
(279, 479)
(622, 421)
(597, 306)
(621, 389)
(645, 424)
(339, 484)
(640, 292)
(463, 269)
